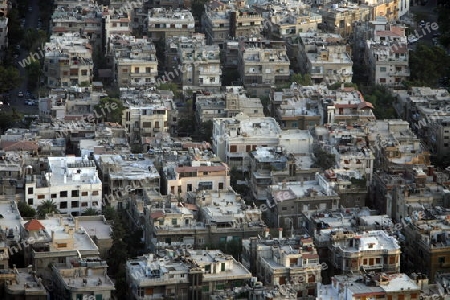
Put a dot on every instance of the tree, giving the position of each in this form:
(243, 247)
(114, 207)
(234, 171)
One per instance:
(47, 207)
(15, 32)
(90, 212)
(9, 79)
(110, 109)
(171, 86)
(205, 131)
(300, 79)
(109, 213)
(337, 85)
(323, 159)
(382, 100)
(34, 73)
(428, 64)
(26, 211)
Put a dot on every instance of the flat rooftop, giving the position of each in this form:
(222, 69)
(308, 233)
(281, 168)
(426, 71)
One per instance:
(11, 219)
(71, 170)
(99, 229)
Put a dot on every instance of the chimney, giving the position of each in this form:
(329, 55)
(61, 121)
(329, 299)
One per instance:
(280, 233)
(266, 233)
(76, 223)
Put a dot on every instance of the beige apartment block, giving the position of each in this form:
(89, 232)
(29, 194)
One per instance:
(195, 273)
(56, 240)
(339, 18)
(262, 64)
(68, 61)
(387, 56)
(23, 284)
(325, 57)
(163, 23)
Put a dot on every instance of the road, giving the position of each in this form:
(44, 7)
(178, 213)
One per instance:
(31, 21)
(429, 15)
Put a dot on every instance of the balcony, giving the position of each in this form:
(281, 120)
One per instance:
(402, 73)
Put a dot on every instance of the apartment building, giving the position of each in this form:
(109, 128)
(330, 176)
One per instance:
(99, 230)
(339, 18)
(146, 114)
(194, 274)
(57, 240)
(288, 199)
(193, 172)
(222, 22)
(296, 107)
(81, 278)
(396, 147)
(234, 138)
(71, 182)
(286, 260)
(226, 105)
(210, 217)
(387, 56)
(163, 24)
(426, 242)
(124, 175)
(325, 57)
(87, 22)
(114, 24)
(372, 250)
(287, 19)
(262, 64)
(23, 284)
(381, 285)
(426, 110)
(385, 8)
(68, 61)
(200, 63)
(4, 8)
(134, 61)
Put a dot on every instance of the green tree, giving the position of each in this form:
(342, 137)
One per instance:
(428, 64)
(34, 73)
(15, 32)
(323, 159)
(110, 213)
(337, 85)
(26, 211)
(110, 109)
(47, 207)
(300, 79)
(205, 131)
(9, 79)
(382, 99)
(233, 247)
(89, 212)
(171, 86)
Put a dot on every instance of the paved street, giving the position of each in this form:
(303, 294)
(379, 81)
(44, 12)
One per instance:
(31, 21)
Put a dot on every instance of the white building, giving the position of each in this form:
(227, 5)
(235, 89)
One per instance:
(71, 182)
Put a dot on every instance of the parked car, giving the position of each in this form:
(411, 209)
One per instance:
(422, 23)
(20, 94)
(30, 8)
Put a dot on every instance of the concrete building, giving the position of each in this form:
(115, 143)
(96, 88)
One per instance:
(82, 278)
(387, 56)
(226, 105)
(99, 230)
(146, 114)
(282, 25)
(3, 33)
(162, 23)
(262, 64)
(196, 64)
(194, 172)
(68, 61)
(426, 242)
(236, 19)
(234, 138)
(134, 61)
(56, 240)
(24, 285)
(385, 8)
(124, 175)
(72, 183)
(296, 107)
(370, 251)
(381, 285)
(281, 260)
(114, 23)
(339, 18)
(196, 276)
(288, 200)
(325, 57)
(427, 111)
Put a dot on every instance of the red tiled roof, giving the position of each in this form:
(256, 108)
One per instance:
(312, 255)
(33, 225)
(157, 214)
(364, 105)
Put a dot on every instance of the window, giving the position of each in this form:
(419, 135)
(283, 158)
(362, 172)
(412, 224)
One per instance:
(148, 70)
(95, 193)
(84, 204)
(83, 72)
(136, 70)
(248, 148)
(382, 69)
(222, 267)
(84, 194)
(157, 124)
(147, 124)
(75, 204)
(75, 193)
(441, 259)
(174, 221)
(54, 196)
(61, 245)
(445, 144)
(189, 187)
(383, 80)
(30, 190)
(124, 70)
(40, 197)
(30, 201)
(233, 148)
(63, 194)
(220, 185)
(63, 205)
(205, 185)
